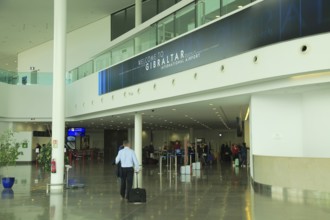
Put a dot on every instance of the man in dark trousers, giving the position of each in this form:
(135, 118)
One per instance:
(129, 164)
(119, 165)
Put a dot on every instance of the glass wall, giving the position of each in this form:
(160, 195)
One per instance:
(149, 9)
(8, 77)
(185, 20)
(146, 40)
(165, 29)
(73, 75)
(180, 22)
(102, 62)
(122, 21)
(228, 6)
(85, 69)
(123, 51)
(165, 4)
(211, 10)
(126, 17)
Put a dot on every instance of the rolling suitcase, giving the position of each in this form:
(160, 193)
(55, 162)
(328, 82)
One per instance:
(137, 195)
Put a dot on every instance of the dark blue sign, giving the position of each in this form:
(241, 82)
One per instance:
(76, 132)
(268, 22)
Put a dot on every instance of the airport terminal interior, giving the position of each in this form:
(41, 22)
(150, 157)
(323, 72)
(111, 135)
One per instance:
(174, 73)
(218, 191)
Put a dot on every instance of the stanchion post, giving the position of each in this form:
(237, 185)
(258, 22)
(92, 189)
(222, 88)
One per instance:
(176, 164)
(160, 164)
(170, 162)
(167, 159)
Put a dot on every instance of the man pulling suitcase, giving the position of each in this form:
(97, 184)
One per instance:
(129, 165)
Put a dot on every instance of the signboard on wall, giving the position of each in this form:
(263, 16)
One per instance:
(265, 23)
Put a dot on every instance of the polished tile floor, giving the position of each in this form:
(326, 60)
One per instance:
(216, 192)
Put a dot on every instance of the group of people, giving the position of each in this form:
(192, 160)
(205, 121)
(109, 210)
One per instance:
(234, 152)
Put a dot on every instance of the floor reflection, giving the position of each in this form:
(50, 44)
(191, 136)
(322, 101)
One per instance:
(217, 192)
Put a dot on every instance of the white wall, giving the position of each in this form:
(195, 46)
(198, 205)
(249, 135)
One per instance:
(4, 126)
(82, 45)
(291, 125)
(25, 102)
(316, 109)
(276, 125)
(21, 137)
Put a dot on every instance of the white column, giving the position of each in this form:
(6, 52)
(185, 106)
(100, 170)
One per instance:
(130, 136)
(138, 12)
(138, 143)
(58, 118)
(56, 206)
(138, 136)
(138, 21)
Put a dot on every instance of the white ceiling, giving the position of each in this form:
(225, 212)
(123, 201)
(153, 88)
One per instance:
(28, 23)
(215, 114)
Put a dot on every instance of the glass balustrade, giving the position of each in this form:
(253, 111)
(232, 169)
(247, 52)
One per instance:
(182, 21)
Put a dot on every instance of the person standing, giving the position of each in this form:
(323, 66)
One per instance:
(129, 164)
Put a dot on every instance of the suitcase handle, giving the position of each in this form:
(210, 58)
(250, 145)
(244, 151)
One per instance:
(137, 181)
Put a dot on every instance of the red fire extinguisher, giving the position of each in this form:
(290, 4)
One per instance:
(53, 166)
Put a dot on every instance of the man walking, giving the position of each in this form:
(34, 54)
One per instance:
(129, 163)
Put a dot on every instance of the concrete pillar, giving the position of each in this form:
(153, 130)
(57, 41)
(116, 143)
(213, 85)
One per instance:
(58, 118)
(138, 21)
(56, 206)
(138, 136)
(138, 12)
(138, 143)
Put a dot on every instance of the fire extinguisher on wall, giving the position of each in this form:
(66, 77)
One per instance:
(53, 166)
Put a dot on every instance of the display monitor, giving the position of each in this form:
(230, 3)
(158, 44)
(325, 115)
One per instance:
(71, 138)
(76, 132)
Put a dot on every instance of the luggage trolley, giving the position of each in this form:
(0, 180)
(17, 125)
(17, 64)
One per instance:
(72, 185)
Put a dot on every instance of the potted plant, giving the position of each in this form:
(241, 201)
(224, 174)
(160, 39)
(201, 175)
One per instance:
(9, 152)
(45, 156)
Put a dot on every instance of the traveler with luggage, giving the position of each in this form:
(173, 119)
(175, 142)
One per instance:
(129, 165)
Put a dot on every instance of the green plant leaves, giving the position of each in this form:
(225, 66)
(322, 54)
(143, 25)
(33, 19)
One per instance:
(9, 149)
